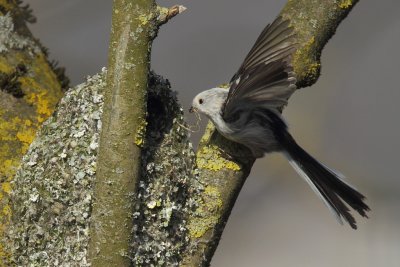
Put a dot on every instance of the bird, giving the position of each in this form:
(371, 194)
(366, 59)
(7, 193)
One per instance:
(249, 112)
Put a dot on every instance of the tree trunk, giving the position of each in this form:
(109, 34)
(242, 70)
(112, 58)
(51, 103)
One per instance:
(124, 126)
(30, 87)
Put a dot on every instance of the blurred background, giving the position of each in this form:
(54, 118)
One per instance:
(348, 120)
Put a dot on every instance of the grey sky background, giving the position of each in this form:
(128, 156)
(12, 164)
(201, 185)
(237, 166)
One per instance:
(348, 120)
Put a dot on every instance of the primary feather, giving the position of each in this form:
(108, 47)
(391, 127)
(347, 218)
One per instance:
(265, 77)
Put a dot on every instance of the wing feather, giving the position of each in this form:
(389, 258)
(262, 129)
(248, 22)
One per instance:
(265, 77)
(270, 37)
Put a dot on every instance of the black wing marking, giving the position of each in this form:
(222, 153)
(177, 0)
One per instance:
(265, 78)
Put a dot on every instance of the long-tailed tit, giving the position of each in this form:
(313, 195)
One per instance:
(249, 113)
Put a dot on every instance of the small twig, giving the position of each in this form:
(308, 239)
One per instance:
(192, 128)
(165, 14)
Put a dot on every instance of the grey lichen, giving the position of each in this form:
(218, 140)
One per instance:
(168, 186)
(53, 187)
(11, 39)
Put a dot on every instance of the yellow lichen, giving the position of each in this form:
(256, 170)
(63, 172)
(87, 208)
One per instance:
(15, 136)
(213, 193)
(199, 227)
(6, 167)
(145, 19)
(4, 66)
(7, 211)
(207, 133)
(20, 119)
(305, 63)
(313, 70)
(28, 123)
(207, 214)
(7, 5)
(140, 133)
(6, 187)
(42, 104)
(209, 157)
(26, 137)
(13, 132)
(162, 12)
(344, 4)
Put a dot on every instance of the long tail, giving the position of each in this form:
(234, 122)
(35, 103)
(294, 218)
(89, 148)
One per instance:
(326, 183)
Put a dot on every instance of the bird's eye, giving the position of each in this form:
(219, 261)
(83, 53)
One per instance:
(201, 101)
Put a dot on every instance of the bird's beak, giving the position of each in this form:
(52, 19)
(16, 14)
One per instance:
(191, 109)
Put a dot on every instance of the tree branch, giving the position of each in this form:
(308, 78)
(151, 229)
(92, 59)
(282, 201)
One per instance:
(29, 91)
(314, 23)
(123, 129)
(165, 14)
(179, 210)
(134, 25)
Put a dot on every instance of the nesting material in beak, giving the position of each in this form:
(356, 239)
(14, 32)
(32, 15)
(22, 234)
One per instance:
(191, 109)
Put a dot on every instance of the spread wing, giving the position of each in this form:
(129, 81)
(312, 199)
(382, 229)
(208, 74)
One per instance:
(265, 78)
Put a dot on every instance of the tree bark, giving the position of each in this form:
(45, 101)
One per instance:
(134, 25)
(123, 129)
(30, 87)
(176, 203)
(314, 23)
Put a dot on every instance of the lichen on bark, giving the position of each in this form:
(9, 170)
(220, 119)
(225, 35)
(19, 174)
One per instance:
(53, 188)
(182, 202)
(314, 23)
(168, 187)
(29, 92)
(134, 25)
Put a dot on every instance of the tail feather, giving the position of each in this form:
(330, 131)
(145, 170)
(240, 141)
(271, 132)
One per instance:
(326, 183)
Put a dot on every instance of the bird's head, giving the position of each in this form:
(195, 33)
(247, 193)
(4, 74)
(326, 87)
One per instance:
(209, 102)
